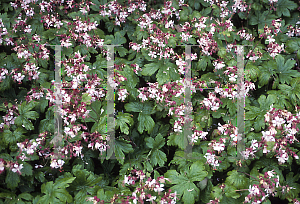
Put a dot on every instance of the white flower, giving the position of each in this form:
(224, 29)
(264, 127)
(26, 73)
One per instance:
(218, 146)
(17, 168)
(270, 173)
(253, 190)
(66, 43)
(122, 94)
(254, 144)
(159, 188)
(232, 77)
(221, 128)
(57, 163)
(278, 121)
(177, 128)
(143, 97)
(27, 29)
(283, 158)
(270, 39)
(193, 138)
(267, 136)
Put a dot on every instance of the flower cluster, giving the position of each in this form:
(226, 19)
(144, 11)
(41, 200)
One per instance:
(282, 131)
(212, 102)
(268, 185)
(211, 159)
(146, 189)
(31, 70)
(119, 12)
(293, 31)
(3, 30)
(246, 36)
(155, 23)
(12, 166)
(96, 141)
(9, 118)
(198, 134)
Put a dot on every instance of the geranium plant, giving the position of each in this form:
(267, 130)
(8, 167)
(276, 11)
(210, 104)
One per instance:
(150, 77)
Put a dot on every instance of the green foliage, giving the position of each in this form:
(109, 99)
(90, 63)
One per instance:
(145, 121)
(184, 185)
(258, 113)
(236, 179)
(56, 192)
(142, 127)
(284, 7)
(156, 155)
(121, 147)
(122, 119)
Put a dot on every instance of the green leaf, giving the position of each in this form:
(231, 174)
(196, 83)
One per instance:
(150, 69)
(258, 113)
(95, 112)
(262, 19)
(167, 73)
(27, 169)
(31, 115)
(206, 11)
(122, 51)
(293, 45)
(25, 196)
(83, 50)
(27, 123)
(118, 39)
(47, 123)
(12, 179)
(236, 179)
(230, 191)
(197, 172)
(132, 78)
(140, 34)
(292, 181)
(266, 71)
(92, 50)
(86, 98)
(284, 70)
(56, 193)
(184, 187)
(158, 143)
(121, 147)
(139, 107)
(184, 14)
(202, 184)
(121, 120)
(156, 156)
(282, 100)
(84, 180)
(172, 41)
(265, 103)
(40, 176)
(7, 135)
(293, 91)
(145, 123)
(177, 139)
(216, 192)
(100, 126)
(23, 108)
(252, 71)
(134, 107)
(50, 34)
(283, 7)
(43, 104)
